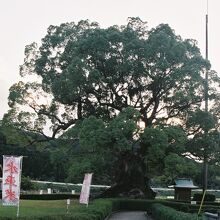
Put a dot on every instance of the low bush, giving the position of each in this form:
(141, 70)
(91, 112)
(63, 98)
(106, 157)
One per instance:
(146, 205)
(161, 212)
(208, 197)
(49, 196)
(26, 183)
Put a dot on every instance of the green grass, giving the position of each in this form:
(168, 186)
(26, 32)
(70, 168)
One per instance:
(39, 208)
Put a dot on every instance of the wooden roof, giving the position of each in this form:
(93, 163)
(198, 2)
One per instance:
(184, 183)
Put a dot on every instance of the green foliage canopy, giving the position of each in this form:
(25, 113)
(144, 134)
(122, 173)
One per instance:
(83, 69)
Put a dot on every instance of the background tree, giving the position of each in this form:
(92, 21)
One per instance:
(204, 142)
(203, 145)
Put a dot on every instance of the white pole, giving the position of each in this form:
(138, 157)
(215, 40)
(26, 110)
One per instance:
(67, 205)
(18, 207)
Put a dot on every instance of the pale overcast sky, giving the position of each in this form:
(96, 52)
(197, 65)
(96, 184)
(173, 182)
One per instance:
(25, 21)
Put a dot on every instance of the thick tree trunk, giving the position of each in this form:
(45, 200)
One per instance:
(131, 179)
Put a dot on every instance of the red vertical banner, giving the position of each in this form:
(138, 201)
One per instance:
(11, 180)
(84, 195)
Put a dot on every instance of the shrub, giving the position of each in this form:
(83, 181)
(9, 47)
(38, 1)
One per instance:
(49, 196)
(161, 212)
(97, 210)
(208, 197)
(145, 205)
(26, 183)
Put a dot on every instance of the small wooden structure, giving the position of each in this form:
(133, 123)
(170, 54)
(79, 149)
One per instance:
(183, 188)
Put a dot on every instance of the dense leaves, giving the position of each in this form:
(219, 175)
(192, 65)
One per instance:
(85, 70)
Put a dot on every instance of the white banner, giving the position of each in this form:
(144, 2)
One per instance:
(84, 195)
(11, 180)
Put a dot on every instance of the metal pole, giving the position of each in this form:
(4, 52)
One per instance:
(206, 72)
(205, 165)
(18, 207)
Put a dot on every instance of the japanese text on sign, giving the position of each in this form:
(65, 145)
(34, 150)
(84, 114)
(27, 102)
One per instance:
(11, 180)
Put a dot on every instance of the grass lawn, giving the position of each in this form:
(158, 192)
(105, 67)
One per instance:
(39, 208)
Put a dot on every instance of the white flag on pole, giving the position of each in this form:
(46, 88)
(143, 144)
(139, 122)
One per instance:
(84, 195)
(11, 180)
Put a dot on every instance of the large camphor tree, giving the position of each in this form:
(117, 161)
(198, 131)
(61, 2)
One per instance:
(127, 88)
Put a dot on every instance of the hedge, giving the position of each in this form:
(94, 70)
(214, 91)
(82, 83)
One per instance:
(208, 197)
(161, 212)
(146, 205)
(55, 196)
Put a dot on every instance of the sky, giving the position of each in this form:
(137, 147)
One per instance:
(25, 21)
